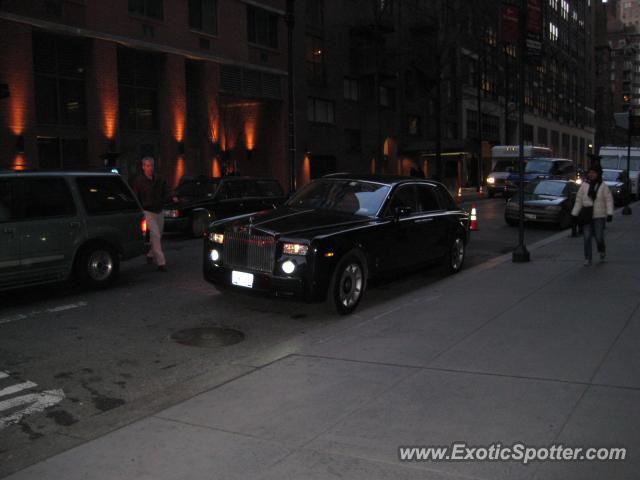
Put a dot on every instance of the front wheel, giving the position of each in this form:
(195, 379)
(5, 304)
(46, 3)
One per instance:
(454, 259)
(98, 266)
(347, 285)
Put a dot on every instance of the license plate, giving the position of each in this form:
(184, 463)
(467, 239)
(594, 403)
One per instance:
(530, 216)
(242, 279)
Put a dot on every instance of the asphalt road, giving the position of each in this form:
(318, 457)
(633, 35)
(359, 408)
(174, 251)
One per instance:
(76, 363)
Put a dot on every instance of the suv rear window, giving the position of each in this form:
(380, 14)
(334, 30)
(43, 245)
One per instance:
(105, 195)
(270, 188)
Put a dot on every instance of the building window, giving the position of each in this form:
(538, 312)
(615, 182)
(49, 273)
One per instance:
(413, 125)
(314, 58)
(352, 141)
(194, 96)
(62, 153)
(491, 127)
(472, 123)
(350, 89)
(387, 97)
(147, 8)
(315, 13)
(138, 89)
(262, 27)
(553, 32)
(564, 9)
(319, 110)
(59, 67)
(203, 15)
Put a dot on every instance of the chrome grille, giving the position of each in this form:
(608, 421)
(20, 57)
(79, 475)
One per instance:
(251, 252)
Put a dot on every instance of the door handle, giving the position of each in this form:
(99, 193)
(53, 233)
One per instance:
(424, 220)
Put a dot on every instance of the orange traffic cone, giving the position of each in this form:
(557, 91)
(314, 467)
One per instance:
(481, 192)
(473, 225)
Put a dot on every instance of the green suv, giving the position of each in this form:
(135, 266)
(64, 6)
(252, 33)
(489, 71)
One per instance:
(58, 224)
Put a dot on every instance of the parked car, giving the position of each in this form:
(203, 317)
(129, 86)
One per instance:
(540, 168)
(53, 225)
(545, 201)
(617, 182)
(203, 199)
(334, 235)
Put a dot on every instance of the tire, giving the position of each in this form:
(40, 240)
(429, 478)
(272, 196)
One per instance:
(454, 258)
(347, 285)
(199, 225)
(97, 265)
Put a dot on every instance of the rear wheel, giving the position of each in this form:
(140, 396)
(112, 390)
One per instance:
(347, 285)
(97, 265)
(454, 258)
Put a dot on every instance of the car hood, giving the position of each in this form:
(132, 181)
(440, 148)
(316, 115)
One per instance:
(285, 221)
(614, 184)
(528, 177)
(542, 200)
(188, 202)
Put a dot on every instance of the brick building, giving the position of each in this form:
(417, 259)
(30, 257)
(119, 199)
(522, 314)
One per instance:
(199, 84)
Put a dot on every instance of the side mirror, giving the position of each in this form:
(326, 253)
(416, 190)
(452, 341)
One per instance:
(400, 212)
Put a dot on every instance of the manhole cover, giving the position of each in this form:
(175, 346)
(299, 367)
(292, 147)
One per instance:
(210, 337)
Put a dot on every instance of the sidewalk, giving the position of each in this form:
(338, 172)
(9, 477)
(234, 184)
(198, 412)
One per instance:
(540, 353)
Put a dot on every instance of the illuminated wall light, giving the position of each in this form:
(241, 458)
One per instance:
(19, 163)
(179, 171)
(306, 169)
(373, 165)
(215, 169)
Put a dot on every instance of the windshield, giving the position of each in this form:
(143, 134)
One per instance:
(611, 176)
(504, 166)
(609, 161)
(555, 189)
(346, 196)
(538, 166)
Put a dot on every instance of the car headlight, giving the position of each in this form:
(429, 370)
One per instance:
(216, 238)
(288, 267)
(578, 181)
(214, 255)
(172, 213)
(491, 180)
(295, 249)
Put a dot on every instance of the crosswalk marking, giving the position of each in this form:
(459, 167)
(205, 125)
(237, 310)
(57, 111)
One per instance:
(16, 388)
(35, 402)
(14, 409)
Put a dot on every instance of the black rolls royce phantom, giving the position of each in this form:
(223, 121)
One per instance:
(335, 234)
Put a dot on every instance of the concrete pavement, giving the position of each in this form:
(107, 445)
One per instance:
(540, 353)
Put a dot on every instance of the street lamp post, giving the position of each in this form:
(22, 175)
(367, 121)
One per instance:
(627, 209)
(521, 254)
(290, 21)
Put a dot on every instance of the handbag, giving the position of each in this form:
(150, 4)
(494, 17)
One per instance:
(585, 216)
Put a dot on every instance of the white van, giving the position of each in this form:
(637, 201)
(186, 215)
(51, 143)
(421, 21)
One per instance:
(615, 158)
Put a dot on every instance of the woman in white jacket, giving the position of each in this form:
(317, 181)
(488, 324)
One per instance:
(595, 201)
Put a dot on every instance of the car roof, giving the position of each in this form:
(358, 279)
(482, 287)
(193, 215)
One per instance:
(378, 178)
(44, 173)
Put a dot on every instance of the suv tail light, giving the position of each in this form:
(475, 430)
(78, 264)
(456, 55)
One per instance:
(144, 228)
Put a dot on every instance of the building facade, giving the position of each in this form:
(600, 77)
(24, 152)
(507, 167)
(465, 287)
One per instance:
(429, 86)
(198, 84)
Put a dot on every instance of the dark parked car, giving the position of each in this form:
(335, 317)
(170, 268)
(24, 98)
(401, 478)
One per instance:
(53, 225)
(617, 182)
(540, 168)
(204, 199)
(334, 235)
(545, 201)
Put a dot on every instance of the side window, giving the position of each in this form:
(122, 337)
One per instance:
(270, 188)
(6, 201)
(230, 190)
(428, 199)
(249, 189)
(446, 200)
(105, 195)
(404, 196)
(45, 197)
